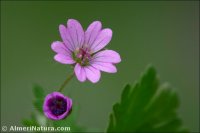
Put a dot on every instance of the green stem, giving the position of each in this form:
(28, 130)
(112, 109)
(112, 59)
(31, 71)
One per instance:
(66, 81)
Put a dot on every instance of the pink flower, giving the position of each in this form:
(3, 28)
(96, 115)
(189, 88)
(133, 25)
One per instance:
(85, 50)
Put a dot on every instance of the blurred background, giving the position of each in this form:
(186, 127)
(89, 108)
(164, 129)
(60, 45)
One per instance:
(165, 34)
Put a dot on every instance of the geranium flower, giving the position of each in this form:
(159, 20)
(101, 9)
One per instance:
(85, 50)
(57, 106)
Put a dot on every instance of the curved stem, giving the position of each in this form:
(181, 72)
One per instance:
(66, 81)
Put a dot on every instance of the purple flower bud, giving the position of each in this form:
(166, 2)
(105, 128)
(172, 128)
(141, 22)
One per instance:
(57, 106)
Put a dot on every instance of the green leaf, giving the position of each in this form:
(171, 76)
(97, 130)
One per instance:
(39, 97)
(146, 107)
(38, 91)
(38, 105)
(31, 122)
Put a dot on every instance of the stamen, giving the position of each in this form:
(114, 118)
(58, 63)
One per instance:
(82, 56)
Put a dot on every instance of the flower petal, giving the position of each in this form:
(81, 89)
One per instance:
(64, 59)
(69, 102)
(92, 74)
(102, 40)
(109, 56)
(57, 94)
(66, 37)
(76, 32)
(59, 47)
(69, 107)
(80, 73)
(92, 32)
(106, 67)
(45, 105)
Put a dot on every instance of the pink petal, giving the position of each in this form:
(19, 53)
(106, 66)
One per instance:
(80, 73)
(92, 74)
(109, 56)
(64, 59)
(66, 37)
(69, 105)
(92, 32)
(106, 67)
(76, 32)
(59, 47)
(102, 40)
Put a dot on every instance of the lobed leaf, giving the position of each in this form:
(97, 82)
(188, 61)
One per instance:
(146, 107)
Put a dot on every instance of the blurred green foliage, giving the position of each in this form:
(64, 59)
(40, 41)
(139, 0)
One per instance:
(39, 97)
(146, 107)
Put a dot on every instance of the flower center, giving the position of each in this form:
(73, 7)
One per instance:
(82, 56)
(57, 106)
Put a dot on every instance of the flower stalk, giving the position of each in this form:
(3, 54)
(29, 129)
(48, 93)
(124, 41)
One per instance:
(66, 82)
